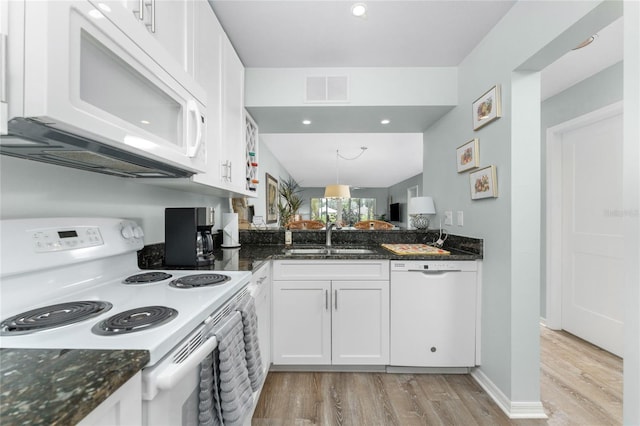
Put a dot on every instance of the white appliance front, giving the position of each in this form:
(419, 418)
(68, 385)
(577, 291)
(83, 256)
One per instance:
(90, 69)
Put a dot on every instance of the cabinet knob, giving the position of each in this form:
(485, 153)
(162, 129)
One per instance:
(433, 349)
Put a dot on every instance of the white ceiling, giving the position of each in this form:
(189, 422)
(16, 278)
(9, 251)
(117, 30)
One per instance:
(395, 33)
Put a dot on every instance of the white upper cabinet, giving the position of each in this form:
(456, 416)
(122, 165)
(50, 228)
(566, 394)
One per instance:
(207, 71)
(218, 69)
(233, 147)
(170, 22)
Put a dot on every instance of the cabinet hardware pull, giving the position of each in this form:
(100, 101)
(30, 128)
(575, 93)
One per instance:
(141, 11)
(153, 16)
(3, 68)
(326, 300)
(152, 24)
(335, 300)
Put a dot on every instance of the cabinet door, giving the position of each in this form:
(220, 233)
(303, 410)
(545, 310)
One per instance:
(301, 322)
(360, 323)
(169, 22)
(124, 406)
(207, 71)
(232, 148)
(262, 278)
(433, 319)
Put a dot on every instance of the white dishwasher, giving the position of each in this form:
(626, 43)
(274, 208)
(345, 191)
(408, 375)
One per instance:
(435, 313)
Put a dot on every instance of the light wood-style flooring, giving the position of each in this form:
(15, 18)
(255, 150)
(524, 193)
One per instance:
(580, 385)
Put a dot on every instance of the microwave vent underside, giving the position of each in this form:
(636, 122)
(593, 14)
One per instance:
(32, 140)
(95, 160)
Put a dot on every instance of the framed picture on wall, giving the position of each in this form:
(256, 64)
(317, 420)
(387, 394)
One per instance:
(484, 183)
(467, 156)
(272, 198)
(487, 107)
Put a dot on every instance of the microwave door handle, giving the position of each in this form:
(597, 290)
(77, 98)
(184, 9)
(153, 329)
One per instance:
(194, 111)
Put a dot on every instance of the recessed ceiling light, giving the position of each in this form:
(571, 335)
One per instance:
(385, 121)
(359, 10)
(586, 42)
(145, 122)
(306, 122)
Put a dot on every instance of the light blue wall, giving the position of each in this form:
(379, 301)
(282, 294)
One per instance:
(509, 224)
(604, 88)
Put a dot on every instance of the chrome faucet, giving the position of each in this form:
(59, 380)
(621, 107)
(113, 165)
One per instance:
(330, 226)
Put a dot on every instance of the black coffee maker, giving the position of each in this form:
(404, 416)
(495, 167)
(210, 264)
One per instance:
(187, 236)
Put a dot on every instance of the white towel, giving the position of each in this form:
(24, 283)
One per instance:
(236, 396)
(209, 407)
(247, 308)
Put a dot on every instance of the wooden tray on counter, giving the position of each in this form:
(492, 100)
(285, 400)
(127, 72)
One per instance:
(415, 249)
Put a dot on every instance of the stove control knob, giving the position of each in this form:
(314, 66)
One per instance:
(127, 232)
(138, 232)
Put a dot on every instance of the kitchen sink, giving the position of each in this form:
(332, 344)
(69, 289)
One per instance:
(306, 251)
(350, 250)
(327, 250)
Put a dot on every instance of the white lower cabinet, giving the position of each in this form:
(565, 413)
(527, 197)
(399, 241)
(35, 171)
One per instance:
(360, 322)
(262, 281)
(331, 312)
(123, 407)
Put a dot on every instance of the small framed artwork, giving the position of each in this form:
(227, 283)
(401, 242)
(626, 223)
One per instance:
(467, 156)
(484, 183)
(487, 107)
(272, 198)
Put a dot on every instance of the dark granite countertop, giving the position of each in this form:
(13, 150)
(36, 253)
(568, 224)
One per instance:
(61, 386)
(260, 246)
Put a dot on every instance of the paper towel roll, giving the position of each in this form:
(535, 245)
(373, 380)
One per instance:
(230, 230)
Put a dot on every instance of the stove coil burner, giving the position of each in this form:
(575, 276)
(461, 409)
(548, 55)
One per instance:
(147, 277)
(52, 316)
(199, 280)
(137, 319)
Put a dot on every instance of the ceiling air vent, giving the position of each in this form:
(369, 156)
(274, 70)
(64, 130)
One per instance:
(327, 89)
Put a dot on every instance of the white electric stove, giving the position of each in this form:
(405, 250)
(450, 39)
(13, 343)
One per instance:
(74, 283)
(82, 268)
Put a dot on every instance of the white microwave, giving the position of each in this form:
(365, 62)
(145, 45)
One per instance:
(88, 87)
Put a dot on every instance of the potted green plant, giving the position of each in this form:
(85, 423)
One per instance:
(289, 191)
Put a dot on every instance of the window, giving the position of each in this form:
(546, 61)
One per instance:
(353, 210)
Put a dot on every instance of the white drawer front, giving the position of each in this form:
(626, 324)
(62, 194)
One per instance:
(331, 269)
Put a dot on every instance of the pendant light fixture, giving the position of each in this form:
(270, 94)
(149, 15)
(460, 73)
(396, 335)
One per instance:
(337, 190)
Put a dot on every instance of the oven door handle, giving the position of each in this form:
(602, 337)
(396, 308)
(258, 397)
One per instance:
(168, 373)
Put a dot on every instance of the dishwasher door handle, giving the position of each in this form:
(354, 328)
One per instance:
(434, 271)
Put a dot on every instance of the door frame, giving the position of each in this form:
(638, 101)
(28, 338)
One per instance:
(554, 207)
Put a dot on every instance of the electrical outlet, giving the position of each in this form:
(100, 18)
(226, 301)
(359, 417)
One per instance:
(460, 218)
(448, 217)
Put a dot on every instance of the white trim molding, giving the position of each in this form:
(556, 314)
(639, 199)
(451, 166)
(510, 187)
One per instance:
(514, 410)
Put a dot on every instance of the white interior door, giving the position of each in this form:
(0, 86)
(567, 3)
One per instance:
(592, 242)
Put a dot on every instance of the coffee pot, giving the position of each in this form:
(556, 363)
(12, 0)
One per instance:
(188, 236)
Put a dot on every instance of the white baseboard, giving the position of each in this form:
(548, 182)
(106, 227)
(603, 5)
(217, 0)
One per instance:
(514, 410)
